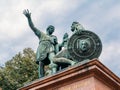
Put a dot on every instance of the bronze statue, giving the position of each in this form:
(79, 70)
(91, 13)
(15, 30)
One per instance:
(63, 56)
(65, 40)
(82, 45)
(47, 45)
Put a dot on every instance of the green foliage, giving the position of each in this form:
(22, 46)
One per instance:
(19, 70)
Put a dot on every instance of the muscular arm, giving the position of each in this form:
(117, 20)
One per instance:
(34, 29)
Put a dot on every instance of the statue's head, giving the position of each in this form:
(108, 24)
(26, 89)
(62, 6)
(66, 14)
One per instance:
(84, 44)
(50, 29)
(76, 26)
(65, 35)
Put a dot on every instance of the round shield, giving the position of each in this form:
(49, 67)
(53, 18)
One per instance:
(84, 45)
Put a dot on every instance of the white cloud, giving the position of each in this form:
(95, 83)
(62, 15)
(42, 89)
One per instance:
(15, 33)
(110, 56)
(111, 51)
(13, 23)
(113, 13)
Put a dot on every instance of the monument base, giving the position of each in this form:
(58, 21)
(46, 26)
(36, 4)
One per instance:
(91, 75)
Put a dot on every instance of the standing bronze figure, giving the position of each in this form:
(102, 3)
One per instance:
(47, 46)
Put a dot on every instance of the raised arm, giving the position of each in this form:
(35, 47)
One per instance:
(34, 29)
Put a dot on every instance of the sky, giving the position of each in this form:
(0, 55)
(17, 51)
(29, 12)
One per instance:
(99, 16)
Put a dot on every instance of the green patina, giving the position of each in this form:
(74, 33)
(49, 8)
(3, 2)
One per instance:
(81, 46)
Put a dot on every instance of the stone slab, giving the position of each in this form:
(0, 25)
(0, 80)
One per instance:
(91, 75)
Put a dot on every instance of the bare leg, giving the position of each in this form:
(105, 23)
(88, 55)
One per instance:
(63, 60)
(52, 65)
(41, 69)
(62, 57)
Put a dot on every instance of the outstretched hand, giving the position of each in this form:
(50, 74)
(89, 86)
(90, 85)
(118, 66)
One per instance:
(27, 13)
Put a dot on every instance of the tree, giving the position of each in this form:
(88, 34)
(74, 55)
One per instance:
(18, 71)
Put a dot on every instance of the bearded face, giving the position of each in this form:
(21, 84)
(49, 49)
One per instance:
(50, 29)
(84, 45)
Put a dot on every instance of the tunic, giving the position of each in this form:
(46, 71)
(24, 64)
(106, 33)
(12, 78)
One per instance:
(46, 46)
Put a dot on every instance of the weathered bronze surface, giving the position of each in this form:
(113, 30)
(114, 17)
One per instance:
(47, 46)
(82, 45)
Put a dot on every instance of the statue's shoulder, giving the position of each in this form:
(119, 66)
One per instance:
(53, 36)
(44, 36)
